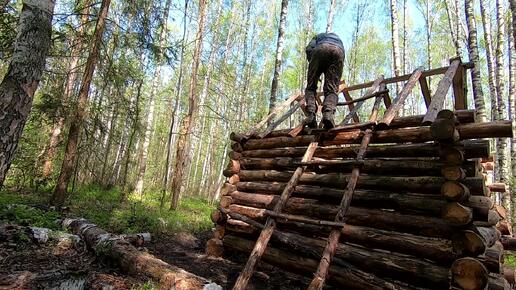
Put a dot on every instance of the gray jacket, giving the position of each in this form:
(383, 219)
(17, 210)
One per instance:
(320, 38)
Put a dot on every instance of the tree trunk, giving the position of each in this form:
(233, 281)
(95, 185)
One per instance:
(60, 192)
(174, 111)
(156, 80)
(71, 79)
(512, 104)
(503, 162)
(488, 39)
(279, 54)
(23, 75)
(395, 41)
(478, 94)
(331, 14)
(453, 31)
(188, 120)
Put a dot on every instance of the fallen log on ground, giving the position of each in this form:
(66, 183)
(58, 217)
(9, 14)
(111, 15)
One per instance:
(132, 261)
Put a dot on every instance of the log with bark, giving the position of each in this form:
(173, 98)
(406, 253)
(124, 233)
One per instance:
(400, 167)
(418, 184)
(498, 129)
(382, 263)
(348, 277)
(132, 261)
(468, 149)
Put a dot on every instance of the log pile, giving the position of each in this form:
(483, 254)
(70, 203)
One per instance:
(421, 216)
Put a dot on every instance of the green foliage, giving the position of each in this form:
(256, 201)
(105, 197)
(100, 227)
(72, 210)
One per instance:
(510, 259)
(149, 285)
(104, 208)
(22, 209)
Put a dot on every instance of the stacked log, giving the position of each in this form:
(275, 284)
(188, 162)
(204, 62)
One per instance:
(420, 216)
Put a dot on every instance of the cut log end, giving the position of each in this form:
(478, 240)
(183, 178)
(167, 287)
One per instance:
(469, 274)
(457, 214)
(453, 172)
(214, 248)
(454, 191)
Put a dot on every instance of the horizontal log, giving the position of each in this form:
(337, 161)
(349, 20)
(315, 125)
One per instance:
(418, 184)
(470, 148)
(384, 264)
(347, 277)
(386, 220)
(497, 187)
(497, 129)
(411, 167)
(407, 202)
(493, 259)
(509, 243)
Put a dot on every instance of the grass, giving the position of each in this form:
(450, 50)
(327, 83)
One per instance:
(510, 258)
(103, 207)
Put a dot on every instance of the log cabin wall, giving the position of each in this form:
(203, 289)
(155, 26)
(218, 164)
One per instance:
(421, 215)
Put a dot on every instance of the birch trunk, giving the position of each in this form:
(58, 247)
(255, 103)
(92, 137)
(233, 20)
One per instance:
(279, 54)
(149, 124)
(512, 99)
(23, 75)
(395, 41)
(488, 39)
(331, 14)
(478, 94)
(503, 162)
(60, 192)
(453, 28)
(405, 36)
(188, 120)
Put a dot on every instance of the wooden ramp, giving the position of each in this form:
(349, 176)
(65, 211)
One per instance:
(389, 203)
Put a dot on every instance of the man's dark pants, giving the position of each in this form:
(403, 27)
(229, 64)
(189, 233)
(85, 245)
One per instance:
(326, 59)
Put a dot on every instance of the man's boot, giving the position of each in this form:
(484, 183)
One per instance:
(310, 121)
(327, 120)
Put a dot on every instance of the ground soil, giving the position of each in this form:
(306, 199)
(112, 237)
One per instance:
(27, 264)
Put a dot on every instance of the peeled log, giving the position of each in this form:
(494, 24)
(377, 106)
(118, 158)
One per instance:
(469, 274)
(419, 184)
(469, 149)
(504, 227)
(457, 214)
(419, 134)
(132, 261)
(497, 187)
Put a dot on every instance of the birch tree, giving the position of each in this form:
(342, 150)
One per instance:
(23, 75)
(486, 21)
(478, 94)
(331, 15)
(279, 54)
(395, 41)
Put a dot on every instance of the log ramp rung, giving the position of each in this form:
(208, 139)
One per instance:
(414, 213)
